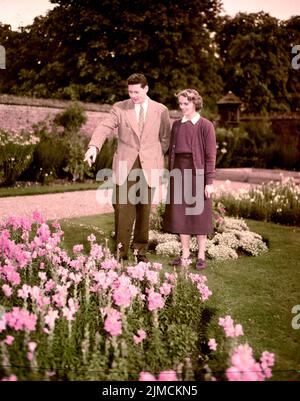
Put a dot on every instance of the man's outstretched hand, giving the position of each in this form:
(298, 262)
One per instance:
(90, 155)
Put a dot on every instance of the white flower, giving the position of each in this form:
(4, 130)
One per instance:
(171, 248)
(221, 252)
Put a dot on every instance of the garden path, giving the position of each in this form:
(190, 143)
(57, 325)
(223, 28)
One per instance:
(79, 203)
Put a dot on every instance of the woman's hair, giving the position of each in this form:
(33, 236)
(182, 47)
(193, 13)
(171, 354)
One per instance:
(193, 96)
(135, 79)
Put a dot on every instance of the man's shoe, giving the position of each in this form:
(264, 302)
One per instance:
(142, 258)
(200, 264)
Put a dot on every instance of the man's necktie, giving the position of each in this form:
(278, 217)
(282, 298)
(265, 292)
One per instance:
(141, 119)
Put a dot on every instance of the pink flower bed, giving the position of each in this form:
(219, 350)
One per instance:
(58, 309)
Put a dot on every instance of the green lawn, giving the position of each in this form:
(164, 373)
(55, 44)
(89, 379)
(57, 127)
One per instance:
(47, 189)
(258, 292)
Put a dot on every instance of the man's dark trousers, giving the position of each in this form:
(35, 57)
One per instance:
(132, 203)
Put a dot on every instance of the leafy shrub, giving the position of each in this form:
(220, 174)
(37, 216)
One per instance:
(258, 143)
(62, 147)
(49, 156)
(70, 121)
(16, 152)
(245, 145)
(278, 202)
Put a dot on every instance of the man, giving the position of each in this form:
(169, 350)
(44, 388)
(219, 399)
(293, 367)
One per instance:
(143, 131)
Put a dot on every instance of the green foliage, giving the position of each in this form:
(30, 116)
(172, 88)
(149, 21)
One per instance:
(71, 119)
(50, 155)
(157, 217)
(61, 149)
(256, 52)
(16, 151)
(230, 142)
(276, 202)
(176, 43)
(256, 144)
(109, 40)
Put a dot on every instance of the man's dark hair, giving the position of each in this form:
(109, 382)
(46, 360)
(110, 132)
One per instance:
(136, 79)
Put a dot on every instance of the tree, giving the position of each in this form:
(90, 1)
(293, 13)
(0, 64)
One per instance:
(13, 43)
(86, 49)
(256, 61)
(292, 38)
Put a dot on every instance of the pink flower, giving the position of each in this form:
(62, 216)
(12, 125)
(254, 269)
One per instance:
(42, 276)
(155, 301)
(43, 233)
(11, 378)
(38, 218)
(11, 274)
(50, 318)
(113, 322)
(238, 330)
(91, 238)
(7, 290)
(50, 284)
(228, 325)
(137, 272)
(165, 289)
(77, 248)
(157, 266)
(32, 346)
(24, 292)
(146, 377)
(170, 277)
(212, 344)
(56, 225)
(141, 335)
(152, 276)
(96, 252)
(244, 367)
(167, 375)
(204, 291)
(69, 312)
(9, 340)
(21, 319)
(267, 360)
(122, 296)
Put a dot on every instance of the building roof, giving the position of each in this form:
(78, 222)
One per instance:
(229, 98)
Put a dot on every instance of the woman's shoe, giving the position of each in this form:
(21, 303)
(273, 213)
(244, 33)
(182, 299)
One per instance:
(200, 264)
(176, 262)
(180, 262)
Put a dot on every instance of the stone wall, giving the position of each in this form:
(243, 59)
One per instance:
(20, 113)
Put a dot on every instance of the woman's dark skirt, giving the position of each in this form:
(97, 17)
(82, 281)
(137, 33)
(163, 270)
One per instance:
(176, 219)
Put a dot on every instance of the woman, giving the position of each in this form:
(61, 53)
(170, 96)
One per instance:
(193, 151)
